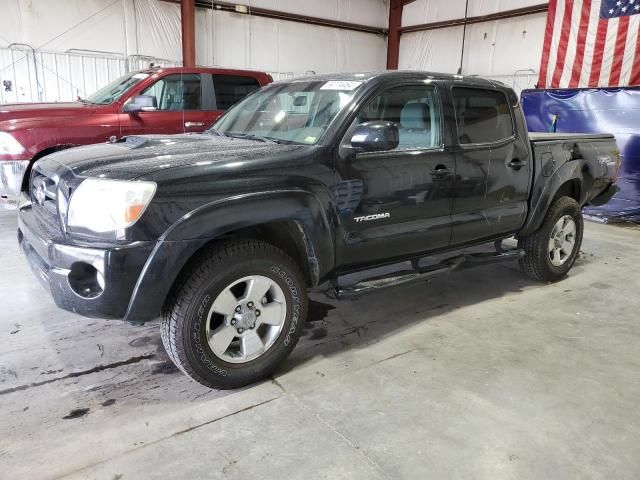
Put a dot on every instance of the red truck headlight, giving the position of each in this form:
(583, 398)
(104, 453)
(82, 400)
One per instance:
(9, 145)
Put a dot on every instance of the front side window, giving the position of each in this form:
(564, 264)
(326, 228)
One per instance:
(177, 92)
(413, 108)
(116, 89)
(482, 116)
(230, 89)
(296, 112)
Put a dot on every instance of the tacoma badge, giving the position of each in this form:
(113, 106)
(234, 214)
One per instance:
(377, 216)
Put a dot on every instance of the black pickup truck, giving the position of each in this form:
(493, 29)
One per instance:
(301, 183)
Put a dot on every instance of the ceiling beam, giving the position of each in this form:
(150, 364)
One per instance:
(285, 16)
(518, 12)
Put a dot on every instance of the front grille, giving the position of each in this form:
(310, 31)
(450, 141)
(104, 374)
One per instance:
(44, 198)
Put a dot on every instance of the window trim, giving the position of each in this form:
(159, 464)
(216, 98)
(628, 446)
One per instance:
(208, 101)
(500, 142)
(365, 102)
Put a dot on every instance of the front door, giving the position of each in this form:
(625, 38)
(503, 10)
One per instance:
(492, 166)
(396, 203)
(179, 100)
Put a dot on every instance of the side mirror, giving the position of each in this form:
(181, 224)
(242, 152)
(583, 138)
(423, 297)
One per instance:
(141, 103)
(377, 136)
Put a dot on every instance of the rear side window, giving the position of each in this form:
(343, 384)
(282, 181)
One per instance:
(230, 89)
(482, 116)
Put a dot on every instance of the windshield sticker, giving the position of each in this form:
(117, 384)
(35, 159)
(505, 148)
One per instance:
(341, 85)
(141, 76)
(310, 139)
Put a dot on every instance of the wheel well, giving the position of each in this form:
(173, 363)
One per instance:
(285, 235)
(38, 156)
(571, 189)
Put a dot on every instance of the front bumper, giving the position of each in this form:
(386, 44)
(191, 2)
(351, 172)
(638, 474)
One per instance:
(93, 282)
(11, 176)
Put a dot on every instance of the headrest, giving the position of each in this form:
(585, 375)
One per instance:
(416, 115)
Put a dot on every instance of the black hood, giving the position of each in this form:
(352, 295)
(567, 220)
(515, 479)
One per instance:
(142, 155)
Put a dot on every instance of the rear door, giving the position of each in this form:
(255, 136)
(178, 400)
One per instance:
(396, 203)
(230, 89)
(492, 166)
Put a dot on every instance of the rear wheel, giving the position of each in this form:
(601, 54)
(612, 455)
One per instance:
(236, 314)
(552, 250)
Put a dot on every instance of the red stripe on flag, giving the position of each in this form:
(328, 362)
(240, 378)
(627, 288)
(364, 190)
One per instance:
(546, 50)
(598, 53)
(562, 46)
(635, 71)
(621, 40)
(582, 37)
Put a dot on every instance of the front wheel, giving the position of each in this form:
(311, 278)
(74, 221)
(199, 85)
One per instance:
(236, 314)
(551, 251)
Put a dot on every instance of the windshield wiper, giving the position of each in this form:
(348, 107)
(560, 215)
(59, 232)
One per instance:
(253, 136)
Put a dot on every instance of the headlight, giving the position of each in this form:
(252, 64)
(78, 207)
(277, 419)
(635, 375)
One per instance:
(9, 145)
(109, 205)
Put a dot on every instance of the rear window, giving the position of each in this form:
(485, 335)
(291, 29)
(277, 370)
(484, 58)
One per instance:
(482, 116)
(230, 89)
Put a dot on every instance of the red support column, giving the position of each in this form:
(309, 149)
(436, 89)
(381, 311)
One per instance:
(395, 30)
(188, 16)
(393, 38)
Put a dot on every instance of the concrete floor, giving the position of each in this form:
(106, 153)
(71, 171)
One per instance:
(480, 374)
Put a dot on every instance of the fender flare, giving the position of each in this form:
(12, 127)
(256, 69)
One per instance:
(544, 193)
(220, 217)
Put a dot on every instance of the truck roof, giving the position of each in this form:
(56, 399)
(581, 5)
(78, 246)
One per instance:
(396, 74)
(228, 71)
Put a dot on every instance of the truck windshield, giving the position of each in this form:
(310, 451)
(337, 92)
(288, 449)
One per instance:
(296, 112)
(116, 89)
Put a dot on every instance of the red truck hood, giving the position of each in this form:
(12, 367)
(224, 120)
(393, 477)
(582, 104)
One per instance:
(14, 111)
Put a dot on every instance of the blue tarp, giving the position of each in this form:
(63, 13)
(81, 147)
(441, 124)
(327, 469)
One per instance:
(605, 110)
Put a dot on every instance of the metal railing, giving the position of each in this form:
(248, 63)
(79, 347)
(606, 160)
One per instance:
(30, 75)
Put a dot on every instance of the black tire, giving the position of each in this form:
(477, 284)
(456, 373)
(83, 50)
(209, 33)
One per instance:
(184, 321)
(537, 262)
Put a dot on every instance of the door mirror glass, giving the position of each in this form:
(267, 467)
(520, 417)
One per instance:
(141, 103)
(375, 136)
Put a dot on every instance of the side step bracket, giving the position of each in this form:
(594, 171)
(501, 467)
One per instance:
(418, 273)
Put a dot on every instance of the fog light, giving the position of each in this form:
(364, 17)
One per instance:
(85, 280)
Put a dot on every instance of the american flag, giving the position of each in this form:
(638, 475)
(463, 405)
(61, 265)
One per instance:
(591, 43)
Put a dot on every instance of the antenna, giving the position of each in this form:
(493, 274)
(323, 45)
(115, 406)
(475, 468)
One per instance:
(464, 35)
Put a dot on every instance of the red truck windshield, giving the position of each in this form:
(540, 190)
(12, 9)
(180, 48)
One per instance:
(116, 89)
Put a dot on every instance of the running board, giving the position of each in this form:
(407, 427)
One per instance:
(405, 277)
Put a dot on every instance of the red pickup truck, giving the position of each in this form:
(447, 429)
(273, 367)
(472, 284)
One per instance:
(157, 100)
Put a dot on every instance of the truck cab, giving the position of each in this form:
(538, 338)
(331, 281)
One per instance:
(153, 101)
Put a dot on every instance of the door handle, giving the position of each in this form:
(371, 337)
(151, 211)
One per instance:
(440, 171)
(516, 164)
(193, 124)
